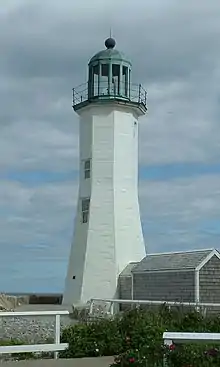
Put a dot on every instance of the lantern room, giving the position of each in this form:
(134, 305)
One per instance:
(109, 73)
(109, 78)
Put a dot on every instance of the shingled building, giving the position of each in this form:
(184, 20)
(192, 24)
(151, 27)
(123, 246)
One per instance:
(192, 276)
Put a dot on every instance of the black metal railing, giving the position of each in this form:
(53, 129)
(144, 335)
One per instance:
(131, 92)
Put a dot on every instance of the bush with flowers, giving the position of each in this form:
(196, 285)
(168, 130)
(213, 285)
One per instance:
(193, 355)
(92, 339)
(135, 338)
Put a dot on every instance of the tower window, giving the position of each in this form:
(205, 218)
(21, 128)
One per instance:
(85, 210)
(87, 169)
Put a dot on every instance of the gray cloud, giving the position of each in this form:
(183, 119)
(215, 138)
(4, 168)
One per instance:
(174, 47)
(170, 40)
(181, 213)
(182, 124)
(38, 145)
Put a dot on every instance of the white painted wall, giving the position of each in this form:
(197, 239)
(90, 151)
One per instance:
(113, 236)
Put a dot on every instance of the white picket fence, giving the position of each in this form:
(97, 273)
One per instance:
(110, 309)
(180, 338)
(55, 347)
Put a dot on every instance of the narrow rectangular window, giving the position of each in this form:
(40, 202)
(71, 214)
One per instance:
(85, 217)
(85, 210)
(87, 169)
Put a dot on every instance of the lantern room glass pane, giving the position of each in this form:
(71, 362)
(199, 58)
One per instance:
(104, 78)
(95, 80)
(115, 79)
(129, 84)
(125, 81)
(90, 86)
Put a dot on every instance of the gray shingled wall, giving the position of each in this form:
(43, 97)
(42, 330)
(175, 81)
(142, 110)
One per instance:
(209, 279)
(125, 285)
(165, 286)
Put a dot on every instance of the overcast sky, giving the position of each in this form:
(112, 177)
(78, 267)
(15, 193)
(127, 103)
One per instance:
(45, 47)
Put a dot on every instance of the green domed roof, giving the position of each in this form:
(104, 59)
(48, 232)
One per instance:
(110, 53)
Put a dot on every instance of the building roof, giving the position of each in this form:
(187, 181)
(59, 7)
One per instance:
(110, 54)
(173, 261)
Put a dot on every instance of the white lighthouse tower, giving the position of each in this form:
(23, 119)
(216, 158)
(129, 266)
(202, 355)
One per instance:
(107, 232)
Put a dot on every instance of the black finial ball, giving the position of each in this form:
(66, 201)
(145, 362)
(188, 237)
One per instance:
(110, 43)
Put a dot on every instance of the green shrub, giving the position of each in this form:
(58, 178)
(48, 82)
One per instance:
(100, 338)
(28, 355)
(136, 339)
(193, 355)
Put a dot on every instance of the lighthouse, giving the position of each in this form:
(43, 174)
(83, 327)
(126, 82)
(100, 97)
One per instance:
(107, 231)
